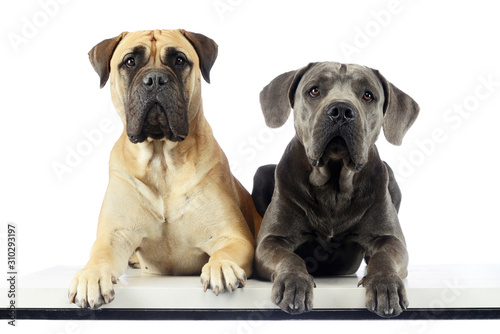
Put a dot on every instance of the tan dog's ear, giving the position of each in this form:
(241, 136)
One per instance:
(400, 111)
(100, 56)
(206, 49)
(277, 98)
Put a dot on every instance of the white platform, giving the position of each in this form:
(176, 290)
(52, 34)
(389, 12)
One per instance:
(428, 287)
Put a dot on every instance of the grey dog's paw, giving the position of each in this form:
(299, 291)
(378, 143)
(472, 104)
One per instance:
(385, 294)
(293, 292)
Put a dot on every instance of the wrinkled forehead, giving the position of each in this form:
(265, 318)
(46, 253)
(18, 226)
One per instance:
(347, 76)
(154, 42)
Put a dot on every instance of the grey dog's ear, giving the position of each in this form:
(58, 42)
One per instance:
(400, 111)
(206, 49)
(276, 99)
(100, 56)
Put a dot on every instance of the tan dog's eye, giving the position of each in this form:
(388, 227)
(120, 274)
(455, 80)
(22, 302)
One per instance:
(180, 61)
(314, 92)
(368, 96)
(130, 62)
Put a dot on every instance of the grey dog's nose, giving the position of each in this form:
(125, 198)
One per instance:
(341, 112)
(154, 80)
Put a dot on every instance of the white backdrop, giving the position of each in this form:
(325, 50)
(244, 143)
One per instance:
(58, 127)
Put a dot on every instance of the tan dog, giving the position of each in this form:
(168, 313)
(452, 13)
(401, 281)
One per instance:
(172, 204)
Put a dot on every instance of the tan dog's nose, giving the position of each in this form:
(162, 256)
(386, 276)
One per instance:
(154, 80)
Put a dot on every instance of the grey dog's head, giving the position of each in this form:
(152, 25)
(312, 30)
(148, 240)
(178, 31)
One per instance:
(155, 79)
(339, 110)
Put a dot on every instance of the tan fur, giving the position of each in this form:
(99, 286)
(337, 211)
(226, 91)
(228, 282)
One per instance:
(173, 206)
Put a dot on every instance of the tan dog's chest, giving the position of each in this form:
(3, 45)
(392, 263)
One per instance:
(173, 247)
(180, 199)
(171, 253)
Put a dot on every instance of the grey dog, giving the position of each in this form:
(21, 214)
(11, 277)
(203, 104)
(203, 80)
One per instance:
(331, 197)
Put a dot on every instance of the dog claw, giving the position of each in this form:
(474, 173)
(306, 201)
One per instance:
(205, 287)
(72, 298)
(106, 299)
(216, 291)
(230, 288)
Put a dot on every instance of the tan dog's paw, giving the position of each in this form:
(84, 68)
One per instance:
(385, 294)
(222, 274)
(90, 288)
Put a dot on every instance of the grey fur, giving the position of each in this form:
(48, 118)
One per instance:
(333, 195)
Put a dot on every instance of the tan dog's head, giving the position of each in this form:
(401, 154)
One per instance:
(155, 79)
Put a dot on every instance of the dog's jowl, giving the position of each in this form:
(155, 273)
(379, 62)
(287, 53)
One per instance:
(333, 200)
(172, 205)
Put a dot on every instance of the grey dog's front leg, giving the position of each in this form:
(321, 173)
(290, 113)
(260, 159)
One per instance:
(292, 285)
(387, 266)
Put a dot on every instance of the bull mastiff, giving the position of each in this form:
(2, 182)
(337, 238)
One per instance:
(172, 205)
(334, 201)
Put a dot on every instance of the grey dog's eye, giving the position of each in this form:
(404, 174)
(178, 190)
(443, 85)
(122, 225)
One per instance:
(314, 91)
(368, 96)
(130, 62)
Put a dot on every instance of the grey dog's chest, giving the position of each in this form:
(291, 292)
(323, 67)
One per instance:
(330, 215)
(335, 207)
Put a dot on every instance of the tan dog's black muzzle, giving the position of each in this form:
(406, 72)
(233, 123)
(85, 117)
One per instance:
(157, 108)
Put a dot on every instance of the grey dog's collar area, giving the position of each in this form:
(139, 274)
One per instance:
(435, 292)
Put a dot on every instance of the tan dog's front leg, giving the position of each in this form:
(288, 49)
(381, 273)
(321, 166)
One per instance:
(229, 266)
(93, 285)
(118, 235)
